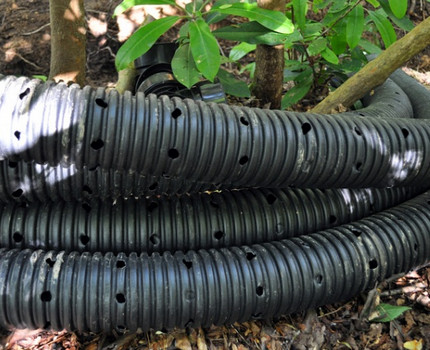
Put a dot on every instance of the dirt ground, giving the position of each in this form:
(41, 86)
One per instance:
(25, 50)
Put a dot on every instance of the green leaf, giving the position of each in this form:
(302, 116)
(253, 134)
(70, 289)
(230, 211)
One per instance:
(142, 40)
(404, 23)
(300, 9)
(204, 48)
(294, 95)
(354, 26)
(384, 27)
(254, 33)
(374, 3)
(316, 46)
(274, 20)
(338, 38)
(126, 4)
(369, 47)
(399, 7)
(329, 56)
(184, 67)
(389, 312)
(250, 67)
(320, 4)
(311, 30)
(238, 51)
(233, 86)
(40, 77)
(214, 17)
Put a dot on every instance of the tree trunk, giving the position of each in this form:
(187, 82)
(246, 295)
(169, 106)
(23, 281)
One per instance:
(377, 71)
(68, 41)
(269, 65)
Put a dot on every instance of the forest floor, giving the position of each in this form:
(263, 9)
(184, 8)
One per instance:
(25, 50)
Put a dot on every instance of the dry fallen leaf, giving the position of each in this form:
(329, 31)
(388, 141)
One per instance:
(413, 345)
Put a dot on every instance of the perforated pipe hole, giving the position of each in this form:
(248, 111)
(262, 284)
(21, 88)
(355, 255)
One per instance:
(332, 219)
(17, 237)
(120, 264)
(176, 113)
(152, 206)
(86, 207)
(84, 239)
(12, 164)
(153, 186)
(358, 131)
(101, 103)
(250, 255)
(355, 232)
(87, 189)
(415, 246)
(259, 290)
(24, 93)
(218, 235)
(214, 204)
(46, 296)
(271, 198)
(97, 144)
(306, 127)
(17, 134)
(405, 132)
(318, 279)
(17, 193)
(243, 160)
(358, 166)
(187, 263)
(189, 323)
(173, 153)
(373, 264)
(154, 239)
(47, 325)
(120, 298)
(50, 262)
(244, 121)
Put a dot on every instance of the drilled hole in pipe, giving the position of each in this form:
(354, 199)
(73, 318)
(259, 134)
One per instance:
(46, 296)
(154, 239)
(152, 206)
(120, 298)
(17, 134)
(17, 193)
(259, 290)
(153, 186)
(17, 237)
(356, 233)
(332, 219)
(101, 103)
(271, 198)
(244, 121)
(97, 144)
(373, 264)
(24, 93)
(218, 235)
(120, 264)
(173, 153)
(358, 166)
(84, 239)
(358, 131)
(250, 256)
(176, 113)
(187, 263)
(50, 262)
(189, 323)
(405, 132)
(243, 160)
(12, 164)
(318, 279)
(87, 189)
(306, 127)
(361, 114)
(47, 325)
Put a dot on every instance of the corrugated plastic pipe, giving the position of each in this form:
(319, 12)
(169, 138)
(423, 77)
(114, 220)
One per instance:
(210, 143)
(114, 140)
(229, 218)
(106, 291)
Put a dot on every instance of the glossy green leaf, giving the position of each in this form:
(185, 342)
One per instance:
(369, 47)
(399, 7)
(240, 50)
(389, 312)
(233, 86)
(329, 56)
(184, 67)
(320, 4)
(254, 33)
(354, 26)
(300, 9)
(404, 23)
(294, 95)
(126, 4)
(384, 28)
(214, 17)
(374, 3)
(316, 46)
(338, 38)
(204, 48)
(274, 20)
(312, 30)
(142, 40)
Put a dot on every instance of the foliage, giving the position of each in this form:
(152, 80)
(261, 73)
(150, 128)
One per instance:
(323, 39)
(388, 313)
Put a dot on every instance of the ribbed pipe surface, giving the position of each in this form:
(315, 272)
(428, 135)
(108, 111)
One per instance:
(106, 291)
(209, 143)
(188, 222)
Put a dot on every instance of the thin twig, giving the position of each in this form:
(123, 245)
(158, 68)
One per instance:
(37, 30)
(340, 18)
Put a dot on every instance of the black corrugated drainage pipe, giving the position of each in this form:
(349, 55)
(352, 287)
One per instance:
(208, 258)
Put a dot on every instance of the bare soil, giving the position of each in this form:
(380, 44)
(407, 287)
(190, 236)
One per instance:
(25, 50)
